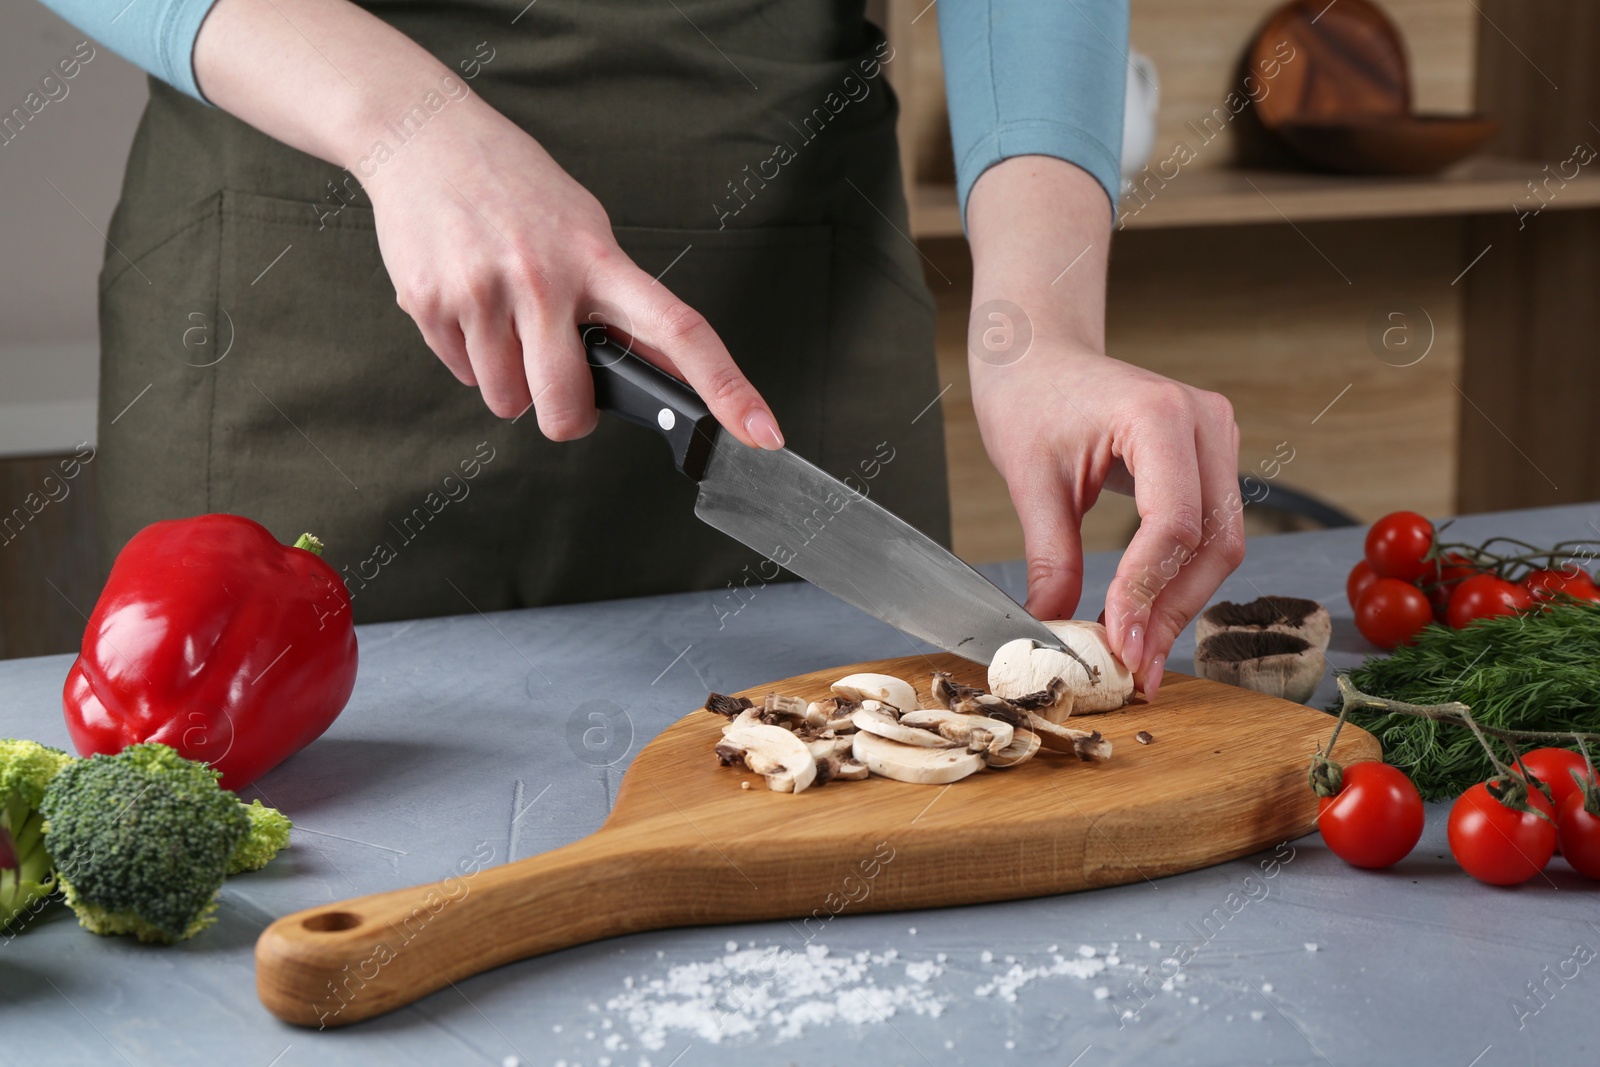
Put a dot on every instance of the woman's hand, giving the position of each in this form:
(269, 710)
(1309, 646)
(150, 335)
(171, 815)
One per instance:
(494, 250)
(1061, 421)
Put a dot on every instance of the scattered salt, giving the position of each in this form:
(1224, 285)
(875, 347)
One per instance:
(948, 1043)
(912, 930)
(940, 957)
(1101, 992)
(1112, 961)
(1011, 959)
(1257, 1016)
(986, 956)
(1011, 1044)
(1086, 951)
(1227, 1018)
(1053, 948)
(1006, 985)
(1266, 987)
(556, 1028)
(1311, 946)
(732, 946)
(772, 995)
(1156, 945)
(511, 1061)
(1194, 1000)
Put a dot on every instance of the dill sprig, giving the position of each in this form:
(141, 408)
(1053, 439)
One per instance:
(1539, 671)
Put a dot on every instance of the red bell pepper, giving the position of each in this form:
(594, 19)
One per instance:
(215, 639)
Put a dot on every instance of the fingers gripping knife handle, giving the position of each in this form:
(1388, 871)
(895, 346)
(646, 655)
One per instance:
(632, 389)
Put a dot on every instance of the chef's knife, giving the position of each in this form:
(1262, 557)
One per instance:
(810, 522)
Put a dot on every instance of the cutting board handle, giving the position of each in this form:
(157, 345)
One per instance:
(344, 962)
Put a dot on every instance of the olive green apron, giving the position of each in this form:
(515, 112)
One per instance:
(254, 360)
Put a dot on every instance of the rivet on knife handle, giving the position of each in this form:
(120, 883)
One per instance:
(635, 390)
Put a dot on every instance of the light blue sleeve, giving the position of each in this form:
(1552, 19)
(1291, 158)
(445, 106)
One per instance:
(154, 35)
(1035, 77)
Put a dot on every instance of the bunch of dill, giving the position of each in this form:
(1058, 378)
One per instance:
(1539, 671)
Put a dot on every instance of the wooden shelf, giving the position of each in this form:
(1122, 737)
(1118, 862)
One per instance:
(1226, 197)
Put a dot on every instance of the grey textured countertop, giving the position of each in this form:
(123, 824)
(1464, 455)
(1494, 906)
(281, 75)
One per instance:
(466, 736)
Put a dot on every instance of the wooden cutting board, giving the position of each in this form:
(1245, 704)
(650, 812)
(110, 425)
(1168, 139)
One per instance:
(685, 845)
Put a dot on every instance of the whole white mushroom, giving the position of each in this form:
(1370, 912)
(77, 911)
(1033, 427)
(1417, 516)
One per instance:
(1094, 679)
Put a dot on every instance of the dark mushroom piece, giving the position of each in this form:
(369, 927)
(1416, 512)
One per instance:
(1267, 661)
(1305, 619)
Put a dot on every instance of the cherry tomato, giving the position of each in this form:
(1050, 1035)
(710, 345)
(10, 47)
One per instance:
(1485, 595)
(1392, 612)
(1497, 844)
(1579, 833)
(1441, 580)
(1360, 580)
(1396, 544)
(1547, 585)
(1375, 819)
(1551, 766)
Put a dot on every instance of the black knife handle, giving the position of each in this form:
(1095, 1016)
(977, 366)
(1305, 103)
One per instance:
(632, 389)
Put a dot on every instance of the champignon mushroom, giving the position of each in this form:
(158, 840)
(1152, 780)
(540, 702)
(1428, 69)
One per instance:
(873, 718)
(1305, 619)
(944, 691)
(772, 752)
(1095, 680)
(889, 690)
(823, 748)
(1278, 664)
(1024, 743)
(1088, 745)
(779, 708)
(913, 763)
(727, 706)
(962, 728)
(834, 713)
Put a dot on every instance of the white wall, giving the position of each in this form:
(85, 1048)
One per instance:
(49, 253)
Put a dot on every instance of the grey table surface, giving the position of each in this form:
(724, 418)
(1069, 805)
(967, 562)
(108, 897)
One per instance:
(466, 736)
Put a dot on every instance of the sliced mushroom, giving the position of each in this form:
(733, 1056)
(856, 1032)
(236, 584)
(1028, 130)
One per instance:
(873, 718)
(750, 716)
(913, 763)
(1024, 743)
(772, 752)
(835, 712)
(1278, 664)
(944, 691)
(1305, 619)
(892, 691)
(727, 706)
(850, 770)
(1095, 680)
(963, 728)
(787, 707)
(823, 748)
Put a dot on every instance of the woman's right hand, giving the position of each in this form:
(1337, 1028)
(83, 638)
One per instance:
(494, 250)
(498, 254)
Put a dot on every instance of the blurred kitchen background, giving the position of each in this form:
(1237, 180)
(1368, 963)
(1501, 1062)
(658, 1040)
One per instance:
(1275, 283)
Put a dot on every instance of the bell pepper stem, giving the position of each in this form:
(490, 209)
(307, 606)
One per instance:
(310, 543)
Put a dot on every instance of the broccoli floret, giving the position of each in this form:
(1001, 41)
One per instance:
(142, 841)
(26, 874)
(269, 832)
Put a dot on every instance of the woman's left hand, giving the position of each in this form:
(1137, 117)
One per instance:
(1062, 421)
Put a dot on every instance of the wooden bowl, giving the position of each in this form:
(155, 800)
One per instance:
(1347, 59)
(1385, 144)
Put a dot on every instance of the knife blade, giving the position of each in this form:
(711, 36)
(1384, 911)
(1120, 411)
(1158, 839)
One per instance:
(809, 522)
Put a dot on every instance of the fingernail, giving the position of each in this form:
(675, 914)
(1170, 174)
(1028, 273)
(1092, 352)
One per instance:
(1133, 645)
(1152, 677)
(763, 429)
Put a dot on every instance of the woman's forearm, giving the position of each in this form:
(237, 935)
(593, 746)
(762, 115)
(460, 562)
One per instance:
(1040, 235)
(320, 75)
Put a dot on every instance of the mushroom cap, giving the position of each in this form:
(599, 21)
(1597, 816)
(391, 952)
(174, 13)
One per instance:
(1267, 661)
(1020, 669)
(774, 753)
(912, 763)
(873, 718)
(895, 692)
(1024, 743)
(959, 727)
(1303, 618)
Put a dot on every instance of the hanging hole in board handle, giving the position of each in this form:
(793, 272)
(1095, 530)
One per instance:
(328, 922)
